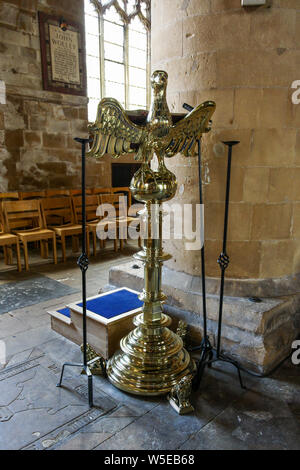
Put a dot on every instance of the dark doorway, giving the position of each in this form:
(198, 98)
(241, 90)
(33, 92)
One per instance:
(122, 173)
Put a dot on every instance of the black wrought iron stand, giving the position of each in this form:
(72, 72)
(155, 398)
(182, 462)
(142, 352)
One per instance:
(209, 354)
(83, 264)
(223, 262)
(205, 346)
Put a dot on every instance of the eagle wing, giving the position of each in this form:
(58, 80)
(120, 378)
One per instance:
(113, 132)
(183, 136)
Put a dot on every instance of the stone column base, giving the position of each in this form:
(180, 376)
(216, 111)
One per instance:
(259, 335)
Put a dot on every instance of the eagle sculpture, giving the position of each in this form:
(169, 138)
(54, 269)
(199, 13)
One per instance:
(115, 132)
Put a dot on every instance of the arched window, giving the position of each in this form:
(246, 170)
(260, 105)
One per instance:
(117, 36)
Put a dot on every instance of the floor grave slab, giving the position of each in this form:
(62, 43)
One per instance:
(31, 403)
(31, 291)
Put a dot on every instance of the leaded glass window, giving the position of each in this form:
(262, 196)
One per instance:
(117, 52)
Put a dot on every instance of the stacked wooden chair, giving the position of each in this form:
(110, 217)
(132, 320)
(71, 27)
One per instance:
(8, 241)
(25, 220)
(78, 192)
(24, 195)
(126, 191)
(7, 249)
(57, 192)
(119, 218)
(56, 214)
(102, 190)
(92, 220)
(59, 216)
(10, 196)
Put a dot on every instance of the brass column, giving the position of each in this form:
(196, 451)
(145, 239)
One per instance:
(152, 358)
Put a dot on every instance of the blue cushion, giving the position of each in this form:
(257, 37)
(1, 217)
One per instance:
(114, 304)
(65, 312)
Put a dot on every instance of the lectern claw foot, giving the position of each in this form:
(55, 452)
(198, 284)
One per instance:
(96, 363)
(179, 397)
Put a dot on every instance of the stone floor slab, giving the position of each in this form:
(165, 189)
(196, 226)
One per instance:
(34, 414)
(162, 428)
(110, 424)
(138, 405)
(36, 289)
(256, 429)
(32, 405)
(83, 441)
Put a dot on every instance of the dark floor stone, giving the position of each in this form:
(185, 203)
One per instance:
(138, 405)
(124, 411)
(257, 428)
(109, 425)
(31, 406)
(263, 417)
(162, 428)
(15, 295)
(83, 441)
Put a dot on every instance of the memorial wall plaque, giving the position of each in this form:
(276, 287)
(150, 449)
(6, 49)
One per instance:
(62, 55)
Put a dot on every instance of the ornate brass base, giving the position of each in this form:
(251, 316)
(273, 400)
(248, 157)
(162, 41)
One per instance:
(151, 361)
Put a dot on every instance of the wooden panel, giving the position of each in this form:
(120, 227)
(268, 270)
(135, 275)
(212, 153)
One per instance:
(57, 192)
(10, 195)
(23, 214)
(58, 210)
(31, 194)
(102, 190)
(92, 203)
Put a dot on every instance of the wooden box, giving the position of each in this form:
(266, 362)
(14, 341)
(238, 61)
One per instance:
(109, 319)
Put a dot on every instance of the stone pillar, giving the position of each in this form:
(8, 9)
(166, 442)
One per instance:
(246, 60)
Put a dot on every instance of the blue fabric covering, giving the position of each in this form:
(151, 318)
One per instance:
(114, 304)
(65, 312)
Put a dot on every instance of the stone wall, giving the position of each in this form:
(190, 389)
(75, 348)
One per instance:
(37, 127)
(246, 60)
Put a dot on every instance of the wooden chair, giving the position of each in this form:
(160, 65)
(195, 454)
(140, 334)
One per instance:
(8, 240)
(102, 191)
(78, 192)
(126, 191)
(117, 201)
(57, 192)
(60, 208)
(122, 220)
(18, 215)
(92, 220)
(56, 219)
(24, 195)
(10, 196)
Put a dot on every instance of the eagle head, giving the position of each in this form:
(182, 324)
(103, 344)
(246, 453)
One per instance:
(159, 80)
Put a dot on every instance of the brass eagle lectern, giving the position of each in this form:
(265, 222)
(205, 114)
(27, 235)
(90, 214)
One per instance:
(152, 360)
